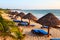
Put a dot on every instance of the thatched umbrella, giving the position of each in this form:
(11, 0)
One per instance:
(30, 17)
(49, 20)
(21, 14)
(16, 13)
(13, 13)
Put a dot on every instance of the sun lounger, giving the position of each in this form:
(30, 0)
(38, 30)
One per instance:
(43, 32)
(17, 21)
(24, 24)
(55, 39)
(44, 27)
(35, 31)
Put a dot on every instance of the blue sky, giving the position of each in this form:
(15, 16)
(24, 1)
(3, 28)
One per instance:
(30, 4)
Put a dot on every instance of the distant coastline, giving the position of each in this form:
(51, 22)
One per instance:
(40, 13)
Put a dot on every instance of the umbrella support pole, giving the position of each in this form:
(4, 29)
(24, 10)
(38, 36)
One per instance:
(48, 31)
(29, 22)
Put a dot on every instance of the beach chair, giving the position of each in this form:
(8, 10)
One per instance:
(17, 21)
(35, 31)
(23, 24)
(40, 32)
(44, 27)
(55, 39)
(43, 32)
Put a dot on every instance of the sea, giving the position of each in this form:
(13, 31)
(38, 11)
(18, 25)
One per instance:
(41, 13)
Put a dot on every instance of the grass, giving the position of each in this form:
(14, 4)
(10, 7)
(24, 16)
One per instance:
(7, 27)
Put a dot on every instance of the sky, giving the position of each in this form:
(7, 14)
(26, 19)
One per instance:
(30, 4)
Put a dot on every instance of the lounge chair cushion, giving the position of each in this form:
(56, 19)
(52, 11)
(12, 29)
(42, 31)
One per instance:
(35, 31)
(43, 32)
(16, 20)
(23, 23)
(55, 39)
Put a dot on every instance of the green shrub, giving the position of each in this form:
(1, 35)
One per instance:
(7, 27)
(1, 27)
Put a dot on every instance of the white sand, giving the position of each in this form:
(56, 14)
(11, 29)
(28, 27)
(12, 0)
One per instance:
(5, 16)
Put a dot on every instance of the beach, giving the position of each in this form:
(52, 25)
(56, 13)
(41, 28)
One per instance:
(55, 33)
(29, 19)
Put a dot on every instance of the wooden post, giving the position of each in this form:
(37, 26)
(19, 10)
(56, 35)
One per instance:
(29, 22)
(48, 31)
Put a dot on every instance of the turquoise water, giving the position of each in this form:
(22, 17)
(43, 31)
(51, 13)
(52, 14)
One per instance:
(40, 13)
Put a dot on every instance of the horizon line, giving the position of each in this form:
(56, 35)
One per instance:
(29, 9)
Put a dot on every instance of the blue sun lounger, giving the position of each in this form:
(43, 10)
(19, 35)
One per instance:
(43, 32)
(55, 39)
(24, 24)
(17, 21)
(44, 27)
(35, 31)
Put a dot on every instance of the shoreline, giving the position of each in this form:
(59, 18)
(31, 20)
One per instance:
(38, 15)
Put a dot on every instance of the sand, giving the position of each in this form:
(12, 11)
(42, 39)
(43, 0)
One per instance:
(5, 16)
(55, 33)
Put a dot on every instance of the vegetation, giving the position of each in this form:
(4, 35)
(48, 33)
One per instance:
(8, 28)
(4, 10)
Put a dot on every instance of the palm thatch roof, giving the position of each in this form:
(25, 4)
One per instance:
(21, 14)
(49, 20)
(16, 13)
(30, 16)
(13, 13)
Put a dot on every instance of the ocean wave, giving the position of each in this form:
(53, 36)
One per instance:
(39, 15)
(58, 17)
